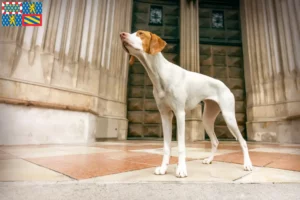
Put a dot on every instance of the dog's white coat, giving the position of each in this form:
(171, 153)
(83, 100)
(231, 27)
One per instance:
(178, 90)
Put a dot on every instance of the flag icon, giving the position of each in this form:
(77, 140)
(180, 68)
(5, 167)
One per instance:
(32, 20)
(32, 7)
(22, 13)
(11, 20)
(11, 8)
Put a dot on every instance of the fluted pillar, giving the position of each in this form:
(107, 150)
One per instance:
(190, 59)
(271, 41)
(189, 35)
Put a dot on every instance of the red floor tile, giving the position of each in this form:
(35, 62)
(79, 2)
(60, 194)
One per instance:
(88, 165)
(289, 162)
(204, 145)
(100, 164)
(149, 159)
(125, 154)
(128, 148)
(141, 157)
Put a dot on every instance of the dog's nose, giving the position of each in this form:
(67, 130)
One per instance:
(123, 34)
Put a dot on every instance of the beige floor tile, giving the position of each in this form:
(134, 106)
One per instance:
(36, 152)
(20, 170)
(2, 196)
(127, 143)
(29, 152)
(85, 150)
(270, 175)
(216, 172)
(278, 150)
(196, 153)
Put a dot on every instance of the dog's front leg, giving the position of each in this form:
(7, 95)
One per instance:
(166, 117)
(181, 170)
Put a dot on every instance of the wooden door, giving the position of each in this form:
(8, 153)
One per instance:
(161, 18)
(221, 55)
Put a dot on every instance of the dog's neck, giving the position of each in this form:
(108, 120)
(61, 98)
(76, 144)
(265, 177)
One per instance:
(155, 66)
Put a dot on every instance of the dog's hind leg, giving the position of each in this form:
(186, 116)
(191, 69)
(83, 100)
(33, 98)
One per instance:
(227, 106)
(211, 111)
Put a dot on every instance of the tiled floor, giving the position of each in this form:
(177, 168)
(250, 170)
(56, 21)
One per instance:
(136, 161)
(93, 165)
(21, 170)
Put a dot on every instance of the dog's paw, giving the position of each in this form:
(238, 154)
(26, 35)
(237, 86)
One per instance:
(248, 165)
(208, 160)
(161, 170)
(181, 171)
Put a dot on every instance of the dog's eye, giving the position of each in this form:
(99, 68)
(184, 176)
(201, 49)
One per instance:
(140, 33)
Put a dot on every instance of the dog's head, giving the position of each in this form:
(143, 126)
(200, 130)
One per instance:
(141, 41)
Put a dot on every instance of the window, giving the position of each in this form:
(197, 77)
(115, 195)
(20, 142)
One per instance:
(156, 14)
(217, 19)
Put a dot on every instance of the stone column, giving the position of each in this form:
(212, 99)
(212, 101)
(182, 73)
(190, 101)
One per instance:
(271, 41)
(190, 59)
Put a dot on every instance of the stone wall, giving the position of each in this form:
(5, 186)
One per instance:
(271, 40)
(75, 61)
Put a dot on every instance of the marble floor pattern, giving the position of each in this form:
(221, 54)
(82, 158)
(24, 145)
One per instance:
(135, 161)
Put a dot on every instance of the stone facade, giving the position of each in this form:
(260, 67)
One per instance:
(73, 62)
(271, 40)
(66, 82)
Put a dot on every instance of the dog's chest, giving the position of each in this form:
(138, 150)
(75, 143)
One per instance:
(177, 97)
(169, 96)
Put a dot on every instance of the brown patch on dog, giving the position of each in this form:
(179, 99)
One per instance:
(152, 43)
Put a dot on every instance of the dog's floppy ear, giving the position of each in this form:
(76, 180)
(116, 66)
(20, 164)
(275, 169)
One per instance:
(131, 60)
(156, 44)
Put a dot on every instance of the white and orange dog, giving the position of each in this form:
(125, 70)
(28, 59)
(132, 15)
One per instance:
(178, 90)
